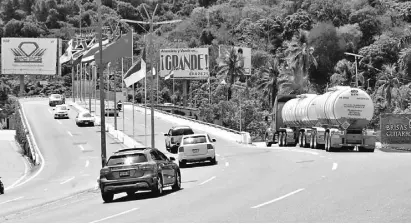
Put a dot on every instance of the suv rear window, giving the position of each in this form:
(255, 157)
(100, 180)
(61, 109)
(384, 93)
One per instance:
(182, 131)
(127, 159)
(194, 140)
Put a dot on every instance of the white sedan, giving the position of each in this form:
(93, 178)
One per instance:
(196, 148)
(85, 118)
(61, 111)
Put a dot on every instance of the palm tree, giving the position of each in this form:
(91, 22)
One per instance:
(388, 83)
(288, 85)
(344, 74)
(230, 69)
(268, 79)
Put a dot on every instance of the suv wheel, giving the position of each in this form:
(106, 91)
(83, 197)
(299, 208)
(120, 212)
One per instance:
(158, 189)
(213, 161)
(177, 183)
(107, 197)
(181, 164)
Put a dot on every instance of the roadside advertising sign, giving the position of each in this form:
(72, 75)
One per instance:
(29, 56)
(395, 128)
(243, 53)
(185, 63)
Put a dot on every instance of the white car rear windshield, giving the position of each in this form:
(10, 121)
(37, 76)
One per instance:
(62, 108)
(56, 96)
(86, 115)
(127, 159)
(194, 140)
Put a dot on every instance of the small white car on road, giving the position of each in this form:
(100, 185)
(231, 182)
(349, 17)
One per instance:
(85, 118)
(196, 148)
(61, 111)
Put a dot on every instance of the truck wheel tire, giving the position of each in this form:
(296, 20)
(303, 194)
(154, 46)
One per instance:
(300, 139)
(305, 145)
(267, 141)
(280, 139)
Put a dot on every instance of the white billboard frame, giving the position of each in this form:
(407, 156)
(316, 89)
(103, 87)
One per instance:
(245, 63)
(29, 56)
(185, 63)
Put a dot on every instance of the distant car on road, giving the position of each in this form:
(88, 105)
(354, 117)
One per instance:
(133, 169)
(174, 135)
(1, 187)
(196, 148)
(85, 118)
(61, 111)
(56, 99)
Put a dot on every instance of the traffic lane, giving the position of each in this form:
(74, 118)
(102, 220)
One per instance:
(230, 193)
(374, 190)
(65, 171)
(13, 166)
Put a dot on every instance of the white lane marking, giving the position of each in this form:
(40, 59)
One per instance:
(330, 158)
(227, 164)
(4, 202)
(217, 154)
(50, 111)
(112, 216)
(59, 122)
(70, 179)
(127, 118)
(26, 171)
(335, 165)
(70, 133)
(81, 147)
(87, 163)
(277, 199)
(322, 156)
(206, 181)
(45, 189)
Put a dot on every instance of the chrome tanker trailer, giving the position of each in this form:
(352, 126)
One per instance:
(334, 120)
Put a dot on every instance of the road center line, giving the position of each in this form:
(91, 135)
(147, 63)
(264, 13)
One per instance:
(206, 181)
(70, 133)
(4, 202)
(87, 163)
(59, 122)
(335, 165)
(112, 216)
(227, 164)
(81, 147)
(277, 199)
(70, 179)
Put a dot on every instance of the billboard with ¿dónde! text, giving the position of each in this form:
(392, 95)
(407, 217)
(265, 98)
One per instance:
(29, 56)
(185, 63)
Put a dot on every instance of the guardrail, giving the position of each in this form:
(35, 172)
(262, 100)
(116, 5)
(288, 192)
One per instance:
(24, 135)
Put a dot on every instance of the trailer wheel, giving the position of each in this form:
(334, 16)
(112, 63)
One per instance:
(280, 139)
(300, 139)
(305, 145)
(267, 141)
(312, 141)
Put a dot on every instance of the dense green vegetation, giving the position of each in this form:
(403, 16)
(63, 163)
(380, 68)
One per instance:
(298, 47)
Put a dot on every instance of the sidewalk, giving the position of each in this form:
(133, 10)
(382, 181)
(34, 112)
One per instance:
(13, 166)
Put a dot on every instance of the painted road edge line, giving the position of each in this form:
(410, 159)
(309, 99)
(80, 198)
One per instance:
(279, 198)
(59, 122)
(81, 147)
(4, 202)
(227, 164)
(112, 216)
(208, 180)
(70, 133)
(87, 163)
(335, 165)
(26, 170)
(43, 161)
(70, 179)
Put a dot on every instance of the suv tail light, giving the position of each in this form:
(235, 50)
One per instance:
(147, 167)
(210, 146)
(181, 149)
(104, 171)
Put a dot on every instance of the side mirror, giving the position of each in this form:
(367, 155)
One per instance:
(68, 109)
(178, 144)
(172, 158)
(214, 140)
(54, 108)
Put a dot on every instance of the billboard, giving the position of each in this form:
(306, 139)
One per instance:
(186, 63)
(29, 56)
(395, 128)
(243, 52)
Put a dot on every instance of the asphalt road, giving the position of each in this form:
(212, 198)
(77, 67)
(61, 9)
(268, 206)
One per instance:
(257, 184)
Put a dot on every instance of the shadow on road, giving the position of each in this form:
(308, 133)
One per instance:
(143, 195)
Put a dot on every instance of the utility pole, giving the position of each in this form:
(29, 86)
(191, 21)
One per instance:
(356, 66)
(100, 72)
(151, 23)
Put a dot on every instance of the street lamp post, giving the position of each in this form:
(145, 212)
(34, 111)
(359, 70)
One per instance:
(151, 23)
(356, 69)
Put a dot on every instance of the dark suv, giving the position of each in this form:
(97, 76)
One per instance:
(133, 169)
(174, 136)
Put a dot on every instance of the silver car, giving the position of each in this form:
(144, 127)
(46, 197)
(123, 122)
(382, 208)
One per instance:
(85, 118)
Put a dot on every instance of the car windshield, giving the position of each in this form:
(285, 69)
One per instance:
(87, 115)
(56, 96)
(194, 140)
(127, 159)
(62, 108)
(182, 131)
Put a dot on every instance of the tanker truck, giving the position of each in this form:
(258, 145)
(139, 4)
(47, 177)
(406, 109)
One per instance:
(332, 121)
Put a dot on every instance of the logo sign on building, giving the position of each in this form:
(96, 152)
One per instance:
(187, 63)
(395, 128)
(29, 56)
(243, 54)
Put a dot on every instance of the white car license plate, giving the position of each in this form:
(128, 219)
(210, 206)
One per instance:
(86, 122)
(195, 150)
(124, 173)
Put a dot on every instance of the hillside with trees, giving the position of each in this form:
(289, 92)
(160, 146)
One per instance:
(297, 46)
